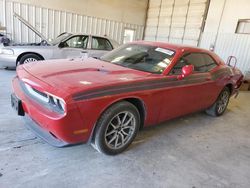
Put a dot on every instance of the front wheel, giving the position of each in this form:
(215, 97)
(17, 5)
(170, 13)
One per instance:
(220, 105)
(117, 128)
(27, 58)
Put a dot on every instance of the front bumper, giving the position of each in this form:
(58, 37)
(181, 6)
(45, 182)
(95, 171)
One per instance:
(46, 136)
(57, 129)
(8, 60)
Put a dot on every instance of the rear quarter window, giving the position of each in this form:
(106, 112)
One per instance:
(195, 59)
(211, 64)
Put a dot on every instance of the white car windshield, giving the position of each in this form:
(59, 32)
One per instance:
(141, 57)
(60, 38)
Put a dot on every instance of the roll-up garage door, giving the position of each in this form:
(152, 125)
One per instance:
(175, 21)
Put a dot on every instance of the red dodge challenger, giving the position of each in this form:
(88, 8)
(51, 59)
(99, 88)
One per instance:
(106, 101)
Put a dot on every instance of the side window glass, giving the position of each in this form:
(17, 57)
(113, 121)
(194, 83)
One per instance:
(77, 42)
(101, 44)
(194, 59)
(177, 69)
(209, 62)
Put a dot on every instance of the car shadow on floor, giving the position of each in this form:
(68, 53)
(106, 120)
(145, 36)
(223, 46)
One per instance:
(177, 127)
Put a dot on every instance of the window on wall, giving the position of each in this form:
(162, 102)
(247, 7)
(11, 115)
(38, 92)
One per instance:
(243, 26)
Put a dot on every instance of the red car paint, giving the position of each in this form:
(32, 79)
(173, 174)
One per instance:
(90, 86)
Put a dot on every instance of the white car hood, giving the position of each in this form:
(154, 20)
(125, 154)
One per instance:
(25, 22)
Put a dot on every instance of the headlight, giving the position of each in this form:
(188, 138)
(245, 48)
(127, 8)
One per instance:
(57, 102)
(7, 51)
(62, 104)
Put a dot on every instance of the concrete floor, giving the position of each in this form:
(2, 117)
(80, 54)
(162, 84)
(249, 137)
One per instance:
(193, 151)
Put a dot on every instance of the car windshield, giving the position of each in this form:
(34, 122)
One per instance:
(141, 57)
(60, 38)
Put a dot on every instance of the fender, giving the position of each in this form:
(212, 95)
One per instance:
(116, 101)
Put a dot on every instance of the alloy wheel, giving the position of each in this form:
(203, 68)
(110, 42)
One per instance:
(30, 59)
(222, 102)
(120, 130)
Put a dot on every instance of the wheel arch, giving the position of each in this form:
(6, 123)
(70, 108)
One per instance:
(137, 102)
(140, 105)
(230, 87)
(25, 53)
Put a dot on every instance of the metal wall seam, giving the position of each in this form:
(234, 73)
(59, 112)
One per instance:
(33, 36)
(19, 23)
(12, 20)
(170, 26)
(27, 18)
(4, 12)
(185, 26)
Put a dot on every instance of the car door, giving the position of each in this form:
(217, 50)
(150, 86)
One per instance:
(73, 47)
(99, 46)
(191, 93)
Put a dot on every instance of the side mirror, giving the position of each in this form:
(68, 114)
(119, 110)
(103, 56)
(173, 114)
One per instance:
(61, 45)
(186, 71)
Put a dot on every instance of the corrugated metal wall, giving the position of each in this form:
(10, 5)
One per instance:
(228, 44)
(53, 22)
(175, 21)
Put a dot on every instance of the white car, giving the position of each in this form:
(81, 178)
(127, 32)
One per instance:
(66, 45)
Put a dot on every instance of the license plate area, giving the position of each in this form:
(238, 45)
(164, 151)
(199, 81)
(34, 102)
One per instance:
(17, 105)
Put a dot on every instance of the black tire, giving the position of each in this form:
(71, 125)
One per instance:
(108, 119)
(24, 59)
(215, 110)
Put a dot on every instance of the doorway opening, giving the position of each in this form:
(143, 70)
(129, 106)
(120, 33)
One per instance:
(128, 35)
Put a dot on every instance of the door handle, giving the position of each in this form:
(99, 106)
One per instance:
(208, 79)
(84, 51)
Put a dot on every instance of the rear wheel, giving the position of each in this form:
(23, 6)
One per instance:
(220, 105)
(117, 128)
(27, 58)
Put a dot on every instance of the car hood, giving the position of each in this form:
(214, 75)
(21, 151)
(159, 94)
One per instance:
(25, 22)
(78, 75)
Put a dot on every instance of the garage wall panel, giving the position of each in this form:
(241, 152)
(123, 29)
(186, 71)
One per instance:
(176, 21)
(52, 22)
(228, 44)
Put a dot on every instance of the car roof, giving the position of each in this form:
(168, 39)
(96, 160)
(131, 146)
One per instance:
(172, 46)
(102, 36)
(114, 42)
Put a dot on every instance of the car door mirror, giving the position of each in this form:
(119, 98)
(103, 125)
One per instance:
(186, 71)
(61, 45)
